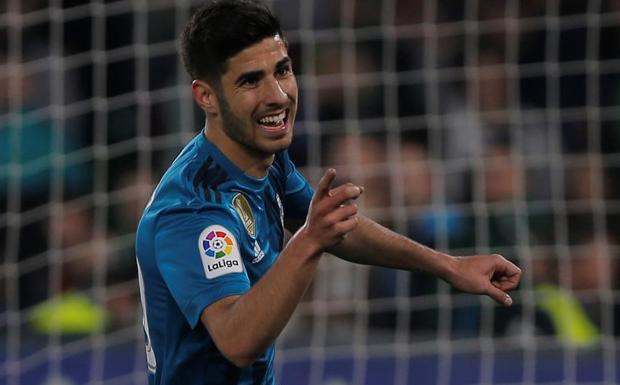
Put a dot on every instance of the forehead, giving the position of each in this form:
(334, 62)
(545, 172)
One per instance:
(260, 56)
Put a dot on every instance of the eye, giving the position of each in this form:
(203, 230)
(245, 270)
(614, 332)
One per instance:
(249, 81)
(284, 70)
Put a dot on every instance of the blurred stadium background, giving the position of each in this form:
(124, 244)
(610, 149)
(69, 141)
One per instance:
(476, 126)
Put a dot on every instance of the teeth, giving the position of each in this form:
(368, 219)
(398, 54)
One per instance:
(273, 118)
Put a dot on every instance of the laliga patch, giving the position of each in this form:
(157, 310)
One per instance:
(242, 207)
(219, 252)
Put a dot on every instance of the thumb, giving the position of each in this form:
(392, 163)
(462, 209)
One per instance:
(499, 295)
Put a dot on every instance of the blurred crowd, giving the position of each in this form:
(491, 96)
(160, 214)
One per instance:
(475, 126)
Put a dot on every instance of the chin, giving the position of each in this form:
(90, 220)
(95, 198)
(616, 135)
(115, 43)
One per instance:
(277, 146)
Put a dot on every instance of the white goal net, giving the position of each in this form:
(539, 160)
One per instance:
(476, 126)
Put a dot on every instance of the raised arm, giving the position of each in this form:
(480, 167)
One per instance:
(244, 326)
(372, 244)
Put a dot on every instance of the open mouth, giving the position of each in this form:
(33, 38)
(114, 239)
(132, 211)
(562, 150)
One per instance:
(274, 122)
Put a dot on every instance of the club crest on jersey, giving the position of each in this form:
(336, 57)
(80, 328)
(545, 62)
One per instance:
(219, 252)
(242, 207)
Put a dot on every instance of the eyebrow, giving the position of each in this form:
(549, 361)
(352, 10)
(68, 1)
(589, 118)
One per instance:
(260, 73)
(284, 61)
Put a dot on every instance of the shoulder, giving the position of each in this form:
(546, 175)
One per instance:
(193, 180)
(181, 219)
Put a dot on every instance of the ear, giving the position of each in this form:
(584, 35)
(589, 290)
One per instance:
(205, 96)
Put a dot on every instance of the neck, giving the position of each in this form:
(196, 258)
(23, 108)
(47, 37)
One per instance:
(252, 162)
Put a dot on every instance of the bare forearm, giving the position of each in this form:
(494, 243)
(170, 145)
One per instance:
(244, 328)
(372, 244)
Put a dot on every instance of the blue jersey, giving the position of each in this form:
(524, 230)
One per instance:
(208, 232)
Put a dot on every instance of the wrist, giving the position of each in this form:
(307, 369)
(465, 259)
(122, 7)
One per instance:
(447, 269)
(304, 245)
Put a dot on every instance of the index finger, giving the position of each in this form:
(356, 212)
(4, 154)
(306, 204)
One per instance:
(512, 271)
(508, 271)
(325, 183)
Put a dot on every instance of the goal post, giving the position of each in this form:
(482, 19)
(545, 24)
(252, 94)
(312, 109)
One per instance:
(475, 126)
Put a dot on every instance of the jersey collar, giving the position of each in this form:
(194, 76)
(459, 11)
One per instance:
(207, 148)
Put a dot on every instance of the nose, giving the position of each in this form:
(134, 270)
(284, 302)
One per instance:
(274, 93)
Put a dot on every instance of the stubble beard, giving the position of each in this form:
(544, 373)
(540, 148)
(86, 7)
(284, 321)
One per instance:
(234, 128)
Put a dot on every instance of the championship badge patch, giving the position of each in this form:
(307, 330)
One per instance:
(219, 252)
(242, 207)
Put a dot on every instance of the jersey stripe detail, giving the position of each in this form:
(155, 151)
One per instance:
(202, 172)
(215, 177)
(210, 176)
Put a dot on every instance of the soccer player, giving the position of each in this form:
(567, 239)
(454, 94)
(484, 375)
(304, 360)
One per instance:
(217, 284)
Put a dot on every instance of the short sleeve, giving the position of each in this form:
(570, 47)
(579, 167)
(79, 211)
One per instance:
(297, 192)
(199, 257)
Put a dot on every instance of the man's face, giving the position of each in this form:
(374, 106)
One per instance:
(258, 97)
